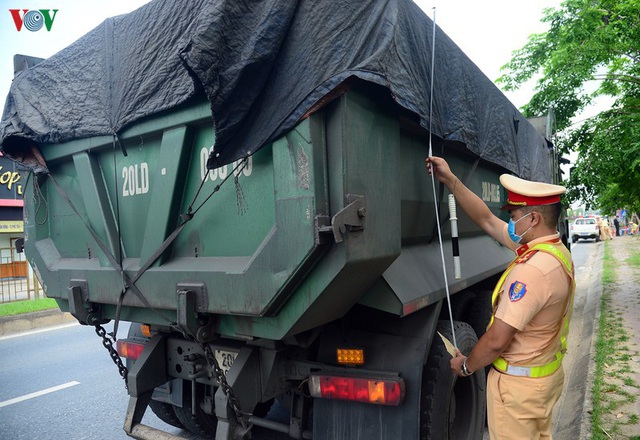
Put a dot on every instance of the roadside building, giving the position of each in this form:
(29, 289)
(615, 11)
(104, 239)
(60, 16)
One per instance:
(12, 263)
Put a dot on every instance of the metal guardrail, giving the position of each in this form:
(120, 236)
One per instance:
(17, 279)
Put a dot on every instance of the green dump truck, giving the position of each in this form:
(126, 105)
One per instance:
(245, 183)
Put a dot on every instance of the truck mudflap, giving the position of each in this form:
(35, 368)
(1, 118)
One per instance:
(150, 371)
(242, 378)
(147, 373)
(436, 405)
(403, 347)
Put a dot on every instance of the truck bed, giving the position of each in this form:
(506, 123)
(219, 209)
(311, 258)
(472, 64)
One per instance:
(332, 214)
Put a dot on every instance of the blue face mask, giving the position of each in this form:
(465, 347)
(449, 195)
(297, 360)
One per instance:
(511, 229)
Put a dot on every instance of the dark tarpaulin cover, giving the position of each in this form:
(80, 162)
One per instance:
(264, 64)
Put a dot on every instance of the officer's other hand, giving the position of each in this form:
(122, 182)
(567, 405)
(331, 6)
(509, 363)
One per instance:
(456, 363)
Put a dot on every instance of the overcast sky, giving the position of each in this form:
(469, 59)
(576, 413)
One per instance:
(486, 31)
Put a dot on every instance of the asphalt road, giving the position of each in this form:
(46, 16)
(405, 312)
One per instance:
(581, 251)
(61, 383)
(83, 397)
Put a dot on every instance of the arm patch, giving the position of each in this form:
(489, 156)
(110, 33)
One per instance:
(517, 290)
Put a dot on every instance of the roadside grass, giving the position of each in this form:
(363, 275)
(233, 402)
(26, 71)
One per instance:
(634, 260)
(604, 348)
(27, 306)
(613, 377)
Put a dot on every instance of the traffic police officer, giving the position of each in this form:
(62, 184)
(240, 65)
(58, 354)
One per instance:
(532, 305)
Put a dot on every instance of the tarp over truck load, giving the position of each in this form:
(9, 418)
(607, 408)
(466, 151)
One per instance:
(264, 66)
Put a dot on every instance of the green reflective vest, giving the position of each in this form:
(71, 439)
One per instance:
(562, 254)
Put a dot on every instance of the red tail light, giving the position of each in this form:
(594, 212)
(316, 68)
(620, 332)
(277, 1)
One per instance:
(380, 391)
(128, 349)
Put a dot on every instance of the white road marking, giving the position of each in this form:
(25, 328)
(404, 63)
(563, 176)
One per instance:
(41, 330)
(38, 393)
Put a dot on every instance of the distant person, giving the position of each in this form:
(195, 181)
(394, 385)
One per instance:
(532, 303)
(603, 232)
(616, 224)
(607, 229)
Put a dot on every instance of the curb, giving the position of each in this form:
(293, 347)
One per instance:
(10, 325)
(588, 364)
(571, 415)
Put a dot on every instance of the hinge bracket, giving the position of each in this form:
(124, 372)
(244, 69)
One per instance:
(200, 328)
(86, 312)
(349, 218)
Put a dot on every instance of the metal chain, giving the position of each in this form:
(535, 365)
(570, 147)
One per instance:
(226, 388)
(115, 357)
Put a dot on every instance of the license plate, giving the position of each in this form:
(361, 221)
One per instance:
(225, 359)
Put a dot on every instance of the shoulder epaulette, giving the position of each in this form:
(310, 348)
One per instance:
(526, 256)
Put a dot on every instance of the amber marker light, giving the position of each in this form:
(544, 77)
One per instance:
(350, 356)
(146, 330)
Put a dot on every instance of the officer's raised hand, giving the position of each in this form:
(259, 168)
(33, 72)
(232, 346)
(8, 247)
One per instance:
(440, 169)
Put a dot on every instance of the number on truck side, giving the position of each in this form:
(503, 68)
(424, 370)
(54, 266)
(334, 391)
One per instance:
(135, 179)
(222, 172)
(490, 192)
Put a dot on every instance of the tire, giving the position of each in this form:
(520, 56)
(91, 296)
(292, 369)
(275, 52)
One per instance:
(201, 424)
(575, 239)
(597, 238)
(479, 313)
(165, 412)
(451, 408)
(263, 408)
(460, 304)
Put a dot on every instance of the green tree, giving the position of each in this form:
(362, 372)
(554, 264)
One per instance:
(589, 40)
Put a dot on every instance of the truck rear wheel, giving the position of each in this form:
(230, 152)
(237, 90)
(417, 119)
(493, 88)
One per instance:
(198, 422)
(164, 411)
(451, 408)
(479, 314)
